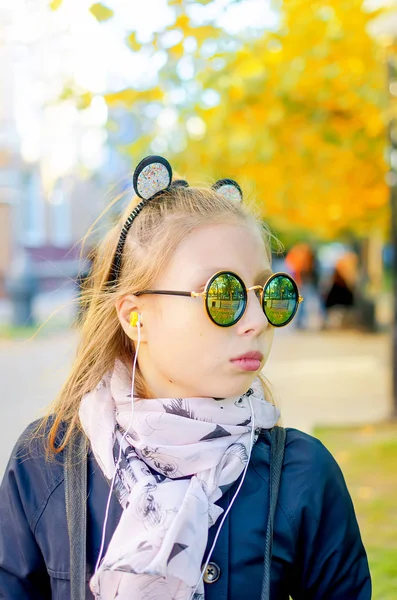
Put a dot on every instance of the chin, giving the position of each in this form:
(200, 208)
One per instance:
(231, 387)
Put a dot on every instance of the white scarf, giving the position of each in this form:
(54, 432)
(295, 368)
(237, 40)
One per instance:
(178, 458)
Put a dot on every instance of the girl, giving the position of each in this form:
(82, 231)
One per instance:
(165, 457)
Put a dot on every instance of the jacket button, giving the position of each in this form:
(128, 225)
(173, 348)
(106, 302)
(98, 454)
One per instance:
(212, 573)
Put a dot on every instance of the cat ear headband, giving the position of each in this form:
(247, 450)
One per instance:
(153, 177)
(228, 188)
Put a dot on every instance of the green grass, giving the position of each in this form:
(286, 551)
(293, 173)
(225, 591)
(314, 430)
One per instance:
(25, 332)
(10, 332)
(368, 459)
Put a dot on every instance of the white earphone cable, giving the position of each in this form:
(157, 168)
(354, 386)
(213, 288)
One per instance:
(231, 503)
(120, 449)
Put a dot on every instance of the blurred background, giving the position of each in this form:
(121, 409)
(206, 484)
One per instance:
(297, 101)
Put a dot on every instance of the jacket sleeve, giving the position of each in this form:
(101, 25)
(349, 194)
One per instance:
(22, 570)
(331, 560)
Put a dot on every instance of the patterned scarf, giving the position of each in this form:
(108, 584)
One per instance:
(178, 458)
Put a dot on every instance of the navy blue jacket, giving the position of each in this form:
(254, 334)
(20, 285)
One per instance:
(317, 549)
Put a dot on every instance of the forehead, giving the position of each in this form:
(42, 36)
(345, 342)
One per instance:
(238, 248)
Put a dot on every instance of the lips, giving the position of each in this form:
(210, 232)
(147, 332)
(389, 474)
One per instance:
(250, 361)
(250, 356)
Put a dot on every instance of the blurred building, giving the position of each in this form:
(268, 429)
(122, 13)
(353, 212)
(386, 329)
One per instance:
(10, 160)
(60, 165)
(52, 187)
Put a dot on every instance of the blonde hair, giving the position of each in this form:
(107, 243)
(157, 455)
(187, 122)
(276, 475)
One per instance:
(154, 235)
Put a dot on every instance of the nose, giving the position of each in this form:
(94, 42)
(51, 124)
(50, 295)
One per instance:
(253, 321)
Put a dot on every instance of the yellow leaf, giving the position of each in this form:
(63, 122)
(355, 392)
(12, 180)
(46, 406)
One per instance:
(126, 97)
(129, 97)
(55, 4)
(182, 23)
(177, 51)
(101, 12)
(132, 42)
(84, 100)
(205, 32)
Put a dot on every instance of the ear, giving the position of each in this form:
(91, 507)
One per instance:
(124, 307)
(152, 175)
(228, 188)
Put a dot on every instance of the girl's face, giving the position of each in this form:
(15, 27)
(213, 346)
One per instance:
(184, 354)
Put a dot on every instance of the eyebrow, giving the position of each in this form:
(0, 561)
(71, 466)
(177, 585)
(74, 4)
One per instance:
(261, 277)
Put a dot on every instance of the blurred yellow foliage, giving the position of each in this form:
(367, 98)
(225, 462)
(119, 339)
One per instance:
(299, 116)
(301, 120)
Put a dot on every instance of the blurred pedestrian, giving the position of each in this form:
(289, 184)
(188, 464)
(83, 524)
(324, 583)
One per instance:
(301, 262)
(160, 471)
(341, 293)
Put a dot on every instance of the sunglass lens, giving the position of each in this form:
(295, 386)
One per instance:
(226, 299)
(280, 300)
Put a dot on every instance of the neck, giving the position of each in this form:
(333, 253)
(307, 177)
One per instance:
(157, 385)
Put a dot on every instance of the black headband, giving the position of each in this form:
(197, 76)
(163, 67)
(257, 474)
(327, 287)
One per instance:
(152, 177)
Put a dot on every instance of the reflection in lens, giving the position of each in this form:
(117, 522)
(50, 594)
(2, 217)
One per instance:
(280, 300)
(226, 299)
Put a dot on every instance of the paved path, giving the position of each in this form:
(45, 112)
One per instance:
(31, 375)
(318, 378)
(331, 378)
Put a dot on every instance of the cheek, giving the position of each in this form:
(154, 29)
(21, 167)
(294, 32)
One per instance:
(268, 338)
(179, 322)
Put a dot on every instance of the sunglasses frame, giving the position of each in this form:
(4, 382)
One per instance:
(204, 295)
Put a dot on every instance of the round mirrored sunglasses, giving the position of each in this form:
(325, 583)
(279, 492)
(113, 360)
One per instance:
(226, 296)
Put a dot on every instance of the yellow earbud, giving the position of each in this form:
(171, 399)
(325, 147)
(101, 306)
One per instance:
(133, 319)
